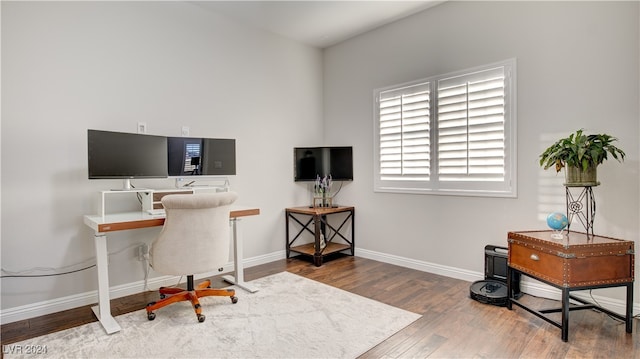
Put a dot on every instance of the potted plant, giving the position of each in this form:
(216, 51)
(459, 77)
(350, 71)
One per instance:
(581, 154)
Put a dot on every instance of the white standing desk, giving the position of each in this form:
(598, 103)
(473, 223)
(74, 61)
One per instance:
(102, 224)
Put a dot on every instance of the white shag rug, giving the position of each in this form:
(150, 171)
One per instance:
(289, 317)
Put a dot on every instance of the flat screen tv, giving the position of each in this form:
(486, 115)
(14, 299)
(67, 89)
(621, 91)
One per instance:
(310, 162)
(119, 155)
(188, 156)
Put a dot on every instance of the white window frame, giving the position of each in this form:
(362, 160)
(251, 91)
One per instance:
(432, 183)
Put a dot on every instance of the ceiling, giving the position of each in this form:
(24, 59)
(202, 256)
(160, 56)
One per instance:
(317, 23)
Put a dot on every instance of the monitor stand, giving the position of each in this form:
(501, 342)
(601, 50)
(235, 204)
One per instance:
(126, 185)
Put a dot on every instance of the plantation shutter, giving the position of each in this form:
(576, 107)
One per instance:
(404, 135)
(471, 126)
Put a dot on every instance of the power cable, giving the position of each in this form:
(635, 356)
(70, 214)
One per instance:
(45, 275)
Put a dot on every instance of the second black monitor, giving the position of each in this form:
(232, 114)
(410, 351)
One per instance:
(190, 156)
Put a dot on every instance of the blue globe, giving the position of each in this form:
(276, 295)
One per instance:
(557, 221)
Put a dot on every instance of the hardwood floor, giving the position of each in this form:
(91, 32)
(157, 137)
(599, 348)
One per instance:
(452, 325)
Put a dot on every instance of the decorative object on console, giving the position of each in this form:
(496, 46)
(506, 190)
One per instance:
(557, 222)
(581, 154)
(322, 191)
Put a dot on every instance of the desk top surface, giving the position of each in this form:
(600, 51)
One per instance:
(139, 219)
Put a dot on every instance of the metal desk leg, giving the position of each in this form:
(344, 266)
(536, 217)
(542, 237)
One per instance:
(103, 309)
(236, 236)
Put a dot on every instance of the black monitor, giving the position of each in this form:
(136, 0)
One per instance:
(119, 155)
(311, 162)
(189, 156)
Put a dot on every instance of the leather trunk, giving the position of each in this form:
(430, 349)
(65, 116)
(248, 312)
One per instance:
(577, 260)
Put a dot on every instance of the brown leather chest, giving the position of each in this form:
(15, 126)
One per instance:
(577, 260)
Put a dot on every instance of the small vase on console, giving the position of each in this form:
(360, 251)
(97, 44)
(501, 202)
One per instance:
(322, 192)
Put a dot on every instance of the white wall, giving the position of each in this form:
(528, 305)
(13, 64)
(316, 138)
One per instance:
(68, 67)
(577, 68)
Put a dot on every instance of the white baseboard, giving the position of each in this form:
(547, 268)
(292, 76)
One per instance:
(439, 269)
(78, 300)
(56, 305)
(527, 285)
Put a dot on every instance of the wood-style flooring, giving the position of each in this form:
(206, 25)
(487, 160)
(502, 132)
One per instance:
(452, 325)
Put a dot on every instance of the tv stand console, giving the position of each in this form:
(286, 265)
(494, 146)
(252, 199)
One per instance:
(317, 224)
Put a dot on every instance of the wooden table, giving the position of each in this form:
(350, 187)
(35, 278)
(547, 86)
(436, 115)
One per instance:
(318, 217)
(578, 261)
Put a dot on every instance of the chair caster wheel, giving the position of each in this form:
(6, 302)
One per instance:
(151, 316)
(201, 318)
(234, 299)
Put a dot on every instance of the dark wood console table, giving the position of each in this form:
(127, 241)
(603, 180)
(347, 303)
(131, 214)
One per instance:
(579, 261)
(317, 224)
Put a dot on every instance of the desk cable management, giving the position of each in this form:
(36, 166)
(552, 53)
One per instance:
(88, 264)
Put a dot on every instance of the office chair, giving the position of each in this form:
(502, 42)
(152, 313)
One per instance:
(194, 240)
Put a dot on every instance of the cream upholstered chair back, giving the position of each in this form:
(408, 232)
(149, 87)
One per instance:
(195, 237)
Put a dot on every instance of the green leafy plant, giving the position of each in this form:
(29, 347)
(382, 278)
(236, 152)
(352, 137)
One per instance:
(580, 150)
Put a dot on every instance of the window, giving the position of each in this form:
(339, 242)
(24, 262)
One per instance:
(404, 119)
(449, 134)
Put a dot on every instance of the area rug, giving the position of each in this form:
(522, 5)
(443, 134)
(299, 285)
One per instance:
(288, 317)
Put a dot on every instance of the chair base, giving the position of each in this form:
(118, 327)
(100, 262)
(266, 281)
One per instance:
(174, 295)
